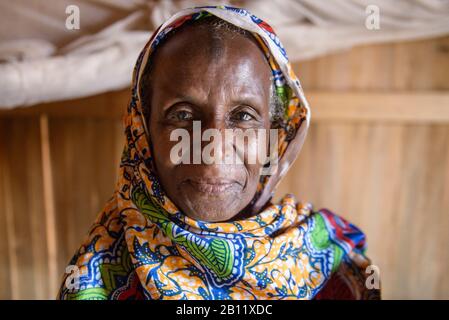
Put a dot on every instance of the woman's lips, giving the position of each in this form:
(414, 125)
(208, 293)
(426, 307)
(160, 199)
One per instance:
(213, 186)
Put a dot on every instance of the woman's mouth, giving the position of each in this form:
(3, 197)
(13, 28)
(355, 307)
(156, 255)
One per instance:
(213, 186)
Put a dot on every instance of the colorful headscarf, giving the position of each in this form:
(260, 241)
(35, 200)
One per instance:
(142, 247)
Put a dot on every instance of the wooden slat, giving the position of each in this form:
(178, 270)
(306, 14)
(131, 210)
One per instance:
(49, 206)
(22, 209)
(85, 154)
(430, 107)
(107, 105)
(405, 66)
(10, 283)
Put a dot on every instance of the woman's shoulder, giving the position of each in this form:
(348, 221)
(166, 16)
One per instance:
(344, 233)
(353, 280)
(355, 277)
(327, 226)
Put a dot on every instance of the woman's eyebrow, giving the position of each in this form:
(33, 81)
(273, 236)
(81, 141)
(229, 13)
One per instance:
(248, 98)
(181, 93)
(242, 96)
(182, 98)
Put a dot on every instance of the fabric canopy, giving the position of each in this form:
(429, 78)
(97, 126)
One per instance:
(43, 61)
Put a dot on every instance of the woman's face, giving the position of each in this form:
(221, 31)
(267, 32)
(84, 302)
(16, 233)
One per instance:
(224, 84)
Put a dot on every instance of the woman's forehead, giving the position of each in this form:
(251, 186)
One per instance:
(207, 79)
(195, 54)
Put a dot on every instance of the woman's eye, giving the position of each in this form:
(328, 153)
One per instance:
(182, 115)
(243, 116)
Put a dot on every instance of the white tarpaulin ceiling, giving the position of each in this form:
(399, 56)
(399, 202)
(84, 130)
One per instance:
(43, 61)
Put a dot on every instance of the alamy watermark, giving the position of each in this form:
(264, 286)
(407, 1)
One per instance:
(372, 20)
(228, 149)
(72, 282)
(72, 22)
(373, 279)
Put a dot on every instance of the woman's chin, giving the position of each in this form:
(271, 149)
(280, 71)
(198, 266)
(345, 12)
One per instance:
(205, 207)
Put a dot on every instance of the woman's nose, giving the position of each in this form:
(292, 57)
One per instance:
(228, 149)
(215, 127)
(215, 121)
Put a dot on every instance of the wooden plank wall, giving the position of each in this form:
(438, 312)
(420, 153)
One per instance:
(377, 153)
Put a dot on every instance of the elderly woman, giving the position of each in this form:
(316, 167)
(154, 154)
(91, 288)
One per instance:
(181, 230)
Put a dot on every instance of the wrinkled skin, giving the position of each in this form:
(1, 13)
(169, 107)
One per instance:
(225, 84)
